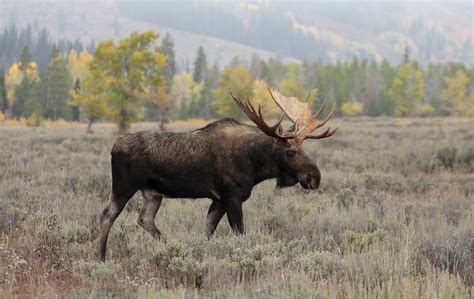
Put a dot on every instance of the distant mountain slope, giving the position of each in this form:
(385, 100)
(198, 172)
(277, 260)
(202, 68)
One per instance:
(326, 30)
(287, 30)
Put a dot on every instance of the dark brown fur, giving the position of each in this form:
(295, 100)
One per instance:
(222, 161)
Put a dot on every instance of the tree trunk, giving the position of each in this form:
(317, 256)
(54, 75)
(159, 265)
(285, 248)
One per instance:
(89, 126)
(122, 121)
(122, 127)
(162, 121)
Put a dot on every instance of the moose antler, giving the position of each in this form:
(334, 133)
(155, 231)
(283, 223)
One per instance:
(299, 113)
(257, 118)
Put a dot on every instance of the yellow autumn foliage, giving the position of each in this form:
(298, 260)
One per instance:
(351, 108)
(261, 96)
(78, 64)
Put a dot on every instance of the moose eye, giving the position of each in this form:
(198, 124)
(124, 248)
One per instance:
(290, 154)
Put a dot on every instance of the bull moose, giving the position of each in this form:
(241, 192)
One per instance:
(222, 161)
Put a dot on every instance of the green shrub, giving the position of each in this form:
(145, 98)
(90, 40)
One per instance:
(175, 262)
(98, 272)
(358, 241)
(321, 264)
(447, 156)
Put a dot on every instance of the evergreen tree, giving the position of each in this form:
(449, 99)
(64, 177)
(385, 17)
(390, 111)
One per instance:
(43, 48)
(26, 37)
(3, 94)
(26, 101)
(205, 98)
(25, 59)
(406, 55)
(272, 71)
(200, 66)
(387, 74)
(26, 98)
(55, 84)
(12, 42)
(167, 47)
(212, 79)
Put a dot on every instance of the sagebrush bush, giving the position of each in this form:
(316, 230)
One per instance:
(321, 264)
(447, 156)
(358, 241)
(175, 261)
(450, 250)
(466, 160)
(98, 272)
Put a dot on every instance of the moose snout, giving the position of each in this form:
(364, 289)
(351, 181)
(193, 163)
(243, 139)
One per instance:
(311, 179)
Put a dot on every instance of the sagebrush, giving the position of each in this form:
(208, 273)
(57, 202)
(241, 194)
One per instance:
(393, 217)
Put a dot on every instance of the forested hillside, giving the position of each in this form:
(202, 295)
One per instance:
(379, 59)
(90, 86)
(327, 31)
(39, 42)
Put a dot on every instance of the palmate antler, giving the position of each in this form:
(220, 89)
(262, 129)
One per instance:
(299, 113)
(304, 123)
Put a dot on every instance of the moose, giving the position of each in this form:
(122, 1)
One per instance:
(222, 161)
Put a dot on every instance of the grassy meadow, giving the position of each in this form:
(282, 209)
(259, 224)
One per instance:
(393, 219)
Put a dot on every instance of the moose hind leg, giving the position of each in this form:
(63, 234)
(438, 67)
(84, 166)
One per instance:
(146, 218)
(113, 209)
(235, 216)
(214, 215)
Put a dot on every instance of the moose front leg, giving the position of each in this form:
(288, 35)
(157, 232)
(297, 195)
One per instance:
(235, 216)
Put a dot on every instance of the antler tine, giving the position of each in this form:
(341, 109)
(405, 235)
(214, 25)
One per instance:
(277, 124)
(305, 133)
(257, 118)
(324, 121)
(321, 109)
(325, 134)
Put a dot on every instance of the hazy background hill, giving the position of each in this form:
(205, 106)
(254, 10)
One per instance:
(434, 32)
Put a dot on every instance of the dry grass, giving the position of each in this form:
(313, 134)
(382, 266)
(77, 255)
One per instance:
(62, 124)
(393, 218)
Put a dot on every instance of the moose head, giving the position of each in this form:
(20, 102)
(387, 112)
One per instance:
(293, 164)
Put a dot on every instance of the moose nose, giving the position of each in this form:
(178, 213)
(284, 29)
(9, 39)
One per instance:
(311, 180)
(314, 180)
